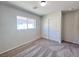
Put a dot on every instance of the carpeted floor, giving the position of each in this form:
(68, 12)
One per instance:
(47, 48)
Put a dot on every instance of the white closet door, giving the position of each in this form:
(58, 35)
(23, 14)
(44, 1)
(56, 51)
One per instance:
(51, 27)
(53, 34)
(55, 27)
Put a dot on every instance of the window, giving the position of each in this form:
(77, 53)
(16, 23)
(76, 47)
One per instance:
(31, 23)
(25, 23)
(21, 22)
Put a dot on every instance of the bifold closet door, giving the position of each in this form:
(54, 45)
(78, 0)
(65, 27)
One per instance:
(54, 27)
(51, 27)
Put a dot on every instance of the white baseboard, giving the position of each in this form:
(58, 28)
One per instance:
(19, 45)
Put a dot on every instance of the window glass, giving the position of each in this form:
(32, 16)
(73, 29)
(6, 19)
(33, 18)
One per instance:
(25, 23)
(31, 24)
(21, 22)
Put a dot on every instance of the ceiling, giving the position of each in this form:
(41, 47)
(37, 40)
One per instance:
(52, 6)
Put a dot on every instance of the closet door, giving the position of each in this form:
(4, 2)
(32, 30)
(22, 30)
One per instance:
(55, 27)
(70, 27)
(51, 27)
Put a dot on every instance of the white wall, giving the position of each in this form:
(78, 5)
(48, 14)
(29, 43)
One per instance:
(10, 37)
(51, 26)
(71, 26)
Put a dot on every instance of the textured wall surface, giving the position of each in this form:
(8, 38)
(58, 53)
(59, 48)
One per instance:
(10, 37)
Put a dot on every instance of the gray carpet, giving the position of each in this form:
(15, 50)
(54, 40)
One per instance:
(47, 48)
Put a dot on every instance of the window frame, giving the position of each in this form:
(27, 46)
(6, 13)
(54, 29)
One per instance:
(27, 22)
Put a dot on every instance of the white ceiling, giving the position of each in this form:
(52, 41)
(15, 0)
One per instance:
(50, 7)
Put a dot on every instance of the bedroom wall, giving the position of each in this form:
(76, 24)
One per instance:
(10, 37)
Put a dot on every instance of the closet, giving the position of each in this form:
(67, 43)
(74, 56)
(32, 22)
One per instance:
(51, 26)
(70, 26)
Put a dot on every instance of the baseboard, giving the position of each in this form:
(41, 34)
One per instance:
(43, 38)
(63, 41)
(51, 40)
(17, 49)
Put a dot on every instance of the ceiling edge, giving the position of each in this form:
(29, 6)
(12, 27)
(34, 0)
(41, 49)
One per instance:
(6, 3)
